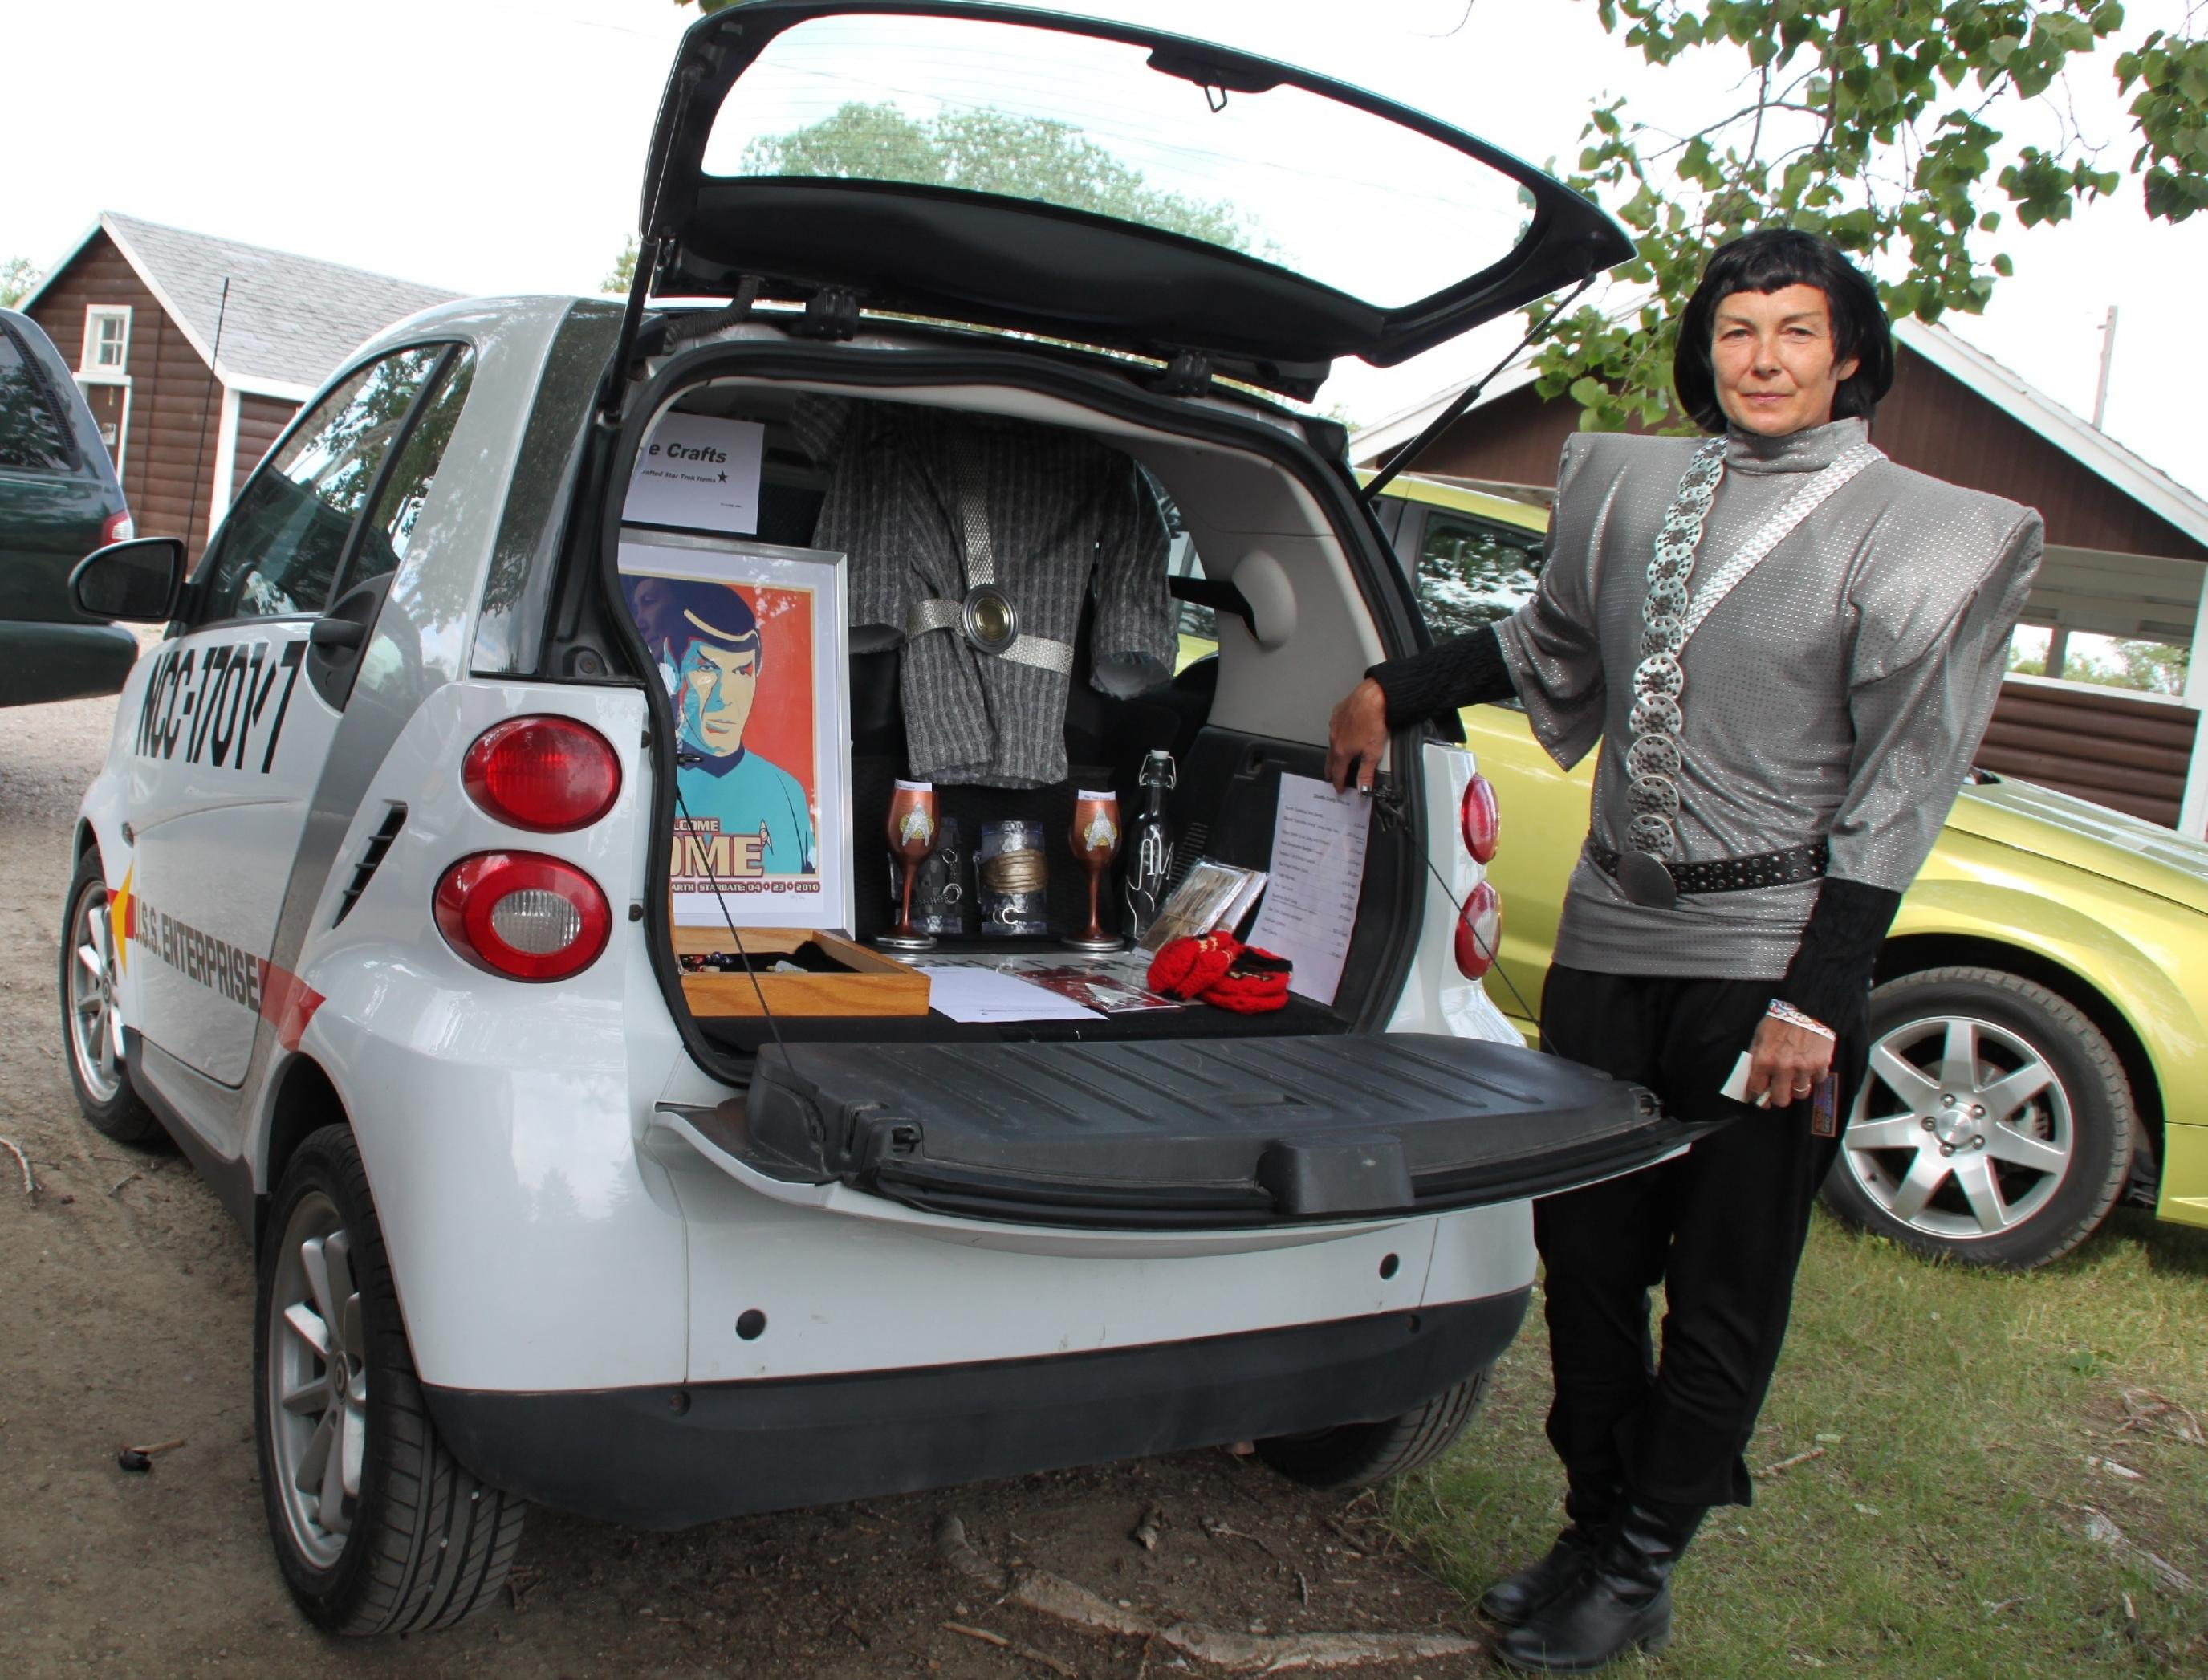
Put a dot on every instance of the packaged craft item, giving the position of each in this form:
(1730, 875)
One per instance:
(1013, 879)
(943, 886)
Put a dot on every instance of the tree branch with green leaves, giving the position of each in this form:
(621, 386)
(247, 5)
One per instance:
(1872, 123)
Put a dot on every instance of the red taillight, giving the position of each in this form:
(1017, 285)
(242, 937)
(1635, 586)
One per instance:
(1479, 931)
(545, 774)
(1480, 819)
(119, 528)
(522, 916)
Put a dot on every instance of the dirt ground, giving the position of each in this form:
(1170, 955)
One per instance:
(126, 1300)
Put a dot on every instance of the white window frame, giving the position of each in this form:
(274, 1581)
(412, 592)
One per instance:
(89, 367)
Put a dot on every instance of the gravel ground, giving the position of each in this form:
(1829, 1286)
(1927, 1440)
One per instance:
(126, 1301)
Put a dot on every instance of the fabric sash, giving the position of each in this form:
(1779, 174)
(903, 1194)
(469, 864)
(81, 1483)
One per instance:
(1820, 488)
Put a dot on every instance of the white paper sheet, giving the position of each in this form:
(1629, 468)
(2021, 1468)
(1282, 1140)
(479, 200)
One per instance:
(698, 472)
(1318, 872)
(983, 995)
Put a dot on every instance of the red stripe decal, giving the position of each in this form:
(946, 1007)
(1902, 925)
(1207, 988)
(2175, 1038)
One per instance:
(287, 1003)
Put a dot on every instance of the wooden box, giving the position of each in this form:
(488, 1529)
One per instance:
(861, 983)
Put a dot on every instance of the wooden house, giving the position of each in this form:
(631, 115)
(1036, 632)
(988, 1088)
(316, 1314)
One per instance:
(195, 351)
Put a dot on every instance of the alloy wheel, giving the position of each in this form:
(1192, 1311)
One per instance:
(1962, 1128)
(317, 1380)
(95, 1022)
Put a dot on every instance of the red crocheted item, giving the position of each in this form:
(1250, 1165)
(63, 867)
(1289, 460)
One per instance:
(1258, 982)
(1222, 970)
(1187, 967)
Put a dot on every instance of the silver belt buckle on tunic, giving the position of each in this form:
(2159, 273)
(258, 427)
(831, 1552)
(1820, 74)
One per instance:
(989, 621)
(1644, 879)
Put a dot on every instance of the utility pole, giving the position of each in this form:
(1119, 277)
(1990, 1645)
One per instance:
(2107, 356)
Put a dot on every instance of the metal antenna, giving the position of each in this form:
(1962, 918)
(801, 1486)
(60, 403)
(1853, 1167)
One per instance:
(215, 369)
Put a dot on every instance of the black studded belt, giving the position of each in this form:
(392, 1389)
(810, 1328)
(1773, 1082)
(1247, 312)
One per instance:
(1789, 867)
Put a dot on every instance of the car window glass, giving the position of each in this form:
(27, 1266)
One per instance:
(1472, 572)
(1101, 127)
(281, 545)
(34, 435)
(391, 529)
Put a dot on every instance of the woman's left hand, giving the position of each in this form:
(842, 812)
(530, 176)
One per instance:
(1786, 1062)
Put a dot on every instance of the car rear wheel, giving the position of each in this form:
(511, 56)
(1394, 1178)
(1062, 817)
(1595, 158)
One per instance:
(1358, 1454)
(92, 1015)
(1995, 1123)
(377, 1528)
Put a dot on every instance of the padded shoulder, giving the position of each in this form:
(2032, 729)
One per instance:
(1929, 551)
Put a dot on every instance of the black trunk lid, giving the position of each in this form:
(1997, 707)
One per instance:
(1190, 1132)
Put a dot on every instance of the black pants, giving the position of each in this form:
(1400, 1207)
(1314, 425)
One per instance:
(1721, 1228)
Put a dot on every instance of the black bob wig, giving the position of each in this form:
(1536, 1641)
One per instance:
(1770, 260)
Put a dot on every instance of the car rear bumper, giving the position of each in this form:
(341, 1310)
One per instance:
(669, 1457)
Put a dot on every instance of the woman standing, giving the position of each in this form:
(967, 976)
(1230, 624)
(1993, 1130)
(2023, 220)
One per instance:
(1787, 648)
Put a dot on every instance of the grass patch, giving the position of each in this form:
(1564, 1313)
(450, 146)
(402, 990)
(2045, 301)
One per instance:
(1964, 1518)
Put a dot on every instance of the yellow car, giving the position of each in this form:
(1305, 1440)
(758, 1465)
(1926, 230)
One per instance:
(2039, 1047)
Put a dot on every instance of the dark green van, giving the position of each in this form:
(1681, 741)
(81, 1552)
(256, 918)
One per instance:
(59, 500)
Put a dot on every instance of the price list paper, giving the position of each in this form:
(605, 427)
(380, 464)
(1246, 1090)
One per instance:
(1318, 871)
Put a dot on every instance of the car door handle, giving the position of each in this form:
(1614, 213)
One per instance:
(337, 632)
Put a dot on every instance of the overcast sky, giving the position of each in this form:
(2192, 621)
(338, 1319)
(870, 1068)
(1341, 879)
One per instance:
(498, 146)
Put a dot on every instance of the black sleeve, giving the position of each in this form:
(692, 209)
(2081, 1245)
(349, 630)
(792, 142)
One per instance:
(1464, 670)
(1832, 967)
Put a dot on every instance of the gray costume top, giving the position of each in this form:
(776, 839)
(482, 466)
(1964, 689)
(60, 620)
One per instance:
(1837, 692)
(1057, 507)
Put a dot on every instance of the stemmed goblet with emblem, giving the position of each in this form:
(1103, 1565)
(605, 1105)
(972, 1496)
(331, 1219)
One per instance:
(1095, 840)
(913, 833)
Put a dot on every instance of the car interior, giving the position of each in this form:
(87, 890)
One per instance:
(1295, 636)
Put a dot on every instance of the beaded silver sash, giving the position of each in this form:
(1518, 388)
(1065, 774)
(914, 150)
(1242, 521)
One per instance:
(1668, 617)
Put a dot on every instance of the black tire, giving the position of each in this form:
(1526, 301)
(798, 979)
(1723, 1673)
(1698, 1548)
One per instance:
(93, 1052)
(420, 1544)
(2010, 1195)
(1357, 1454)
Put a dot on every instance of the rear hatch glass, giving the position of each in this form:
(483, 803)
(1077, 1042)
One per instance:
(1104, 183)
(1284, 176)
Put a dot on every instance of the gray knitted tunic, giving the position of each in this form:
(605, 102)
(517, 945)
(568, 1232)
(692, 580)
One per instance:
(1060, 508)
(1837, 693)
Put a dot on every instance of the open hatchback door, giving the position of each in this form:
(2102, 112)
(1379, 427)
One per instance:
(1088, 181)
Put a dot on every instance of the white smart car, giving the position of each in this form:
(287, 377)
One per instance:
(371, 912)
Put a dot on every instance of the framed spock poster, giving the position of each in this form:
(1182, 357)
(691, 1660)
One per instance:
(750, 640)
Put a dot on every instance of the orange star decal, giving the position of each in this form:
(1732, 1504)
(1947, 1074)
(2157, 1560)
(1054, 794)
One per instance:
(122, 914)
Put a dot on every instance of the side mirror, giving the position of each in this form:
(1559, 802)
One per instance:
(139, 580)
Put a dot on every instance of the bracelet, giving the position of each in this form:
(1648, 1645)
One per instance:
(1780, 1009)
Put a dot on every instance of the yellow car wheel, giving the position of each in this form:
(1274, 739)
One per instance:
(1995, 1123)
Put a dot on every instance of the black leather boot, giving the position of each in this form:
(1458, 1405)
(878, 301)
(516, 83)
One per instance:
(1515, 1598)
(1622, 1602)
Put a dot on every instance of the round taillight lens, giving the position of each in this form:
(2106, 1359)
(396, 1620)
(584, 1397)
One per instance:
(1480, 819)
(547, 775)
(524, 916)
(1479, 931)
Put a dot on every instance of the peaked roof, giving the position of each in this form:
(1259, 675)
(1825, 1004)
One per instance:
(2078, 438)
(1979, 373)
(289, 319)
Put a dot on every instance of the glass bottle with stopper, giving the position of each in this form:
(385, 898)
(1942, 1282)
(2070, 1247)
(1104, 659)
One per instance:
(1149, 858)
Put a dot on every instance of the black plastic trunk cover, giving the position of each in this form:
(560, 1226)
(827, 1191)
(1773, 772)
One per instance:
(1192, 1132)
